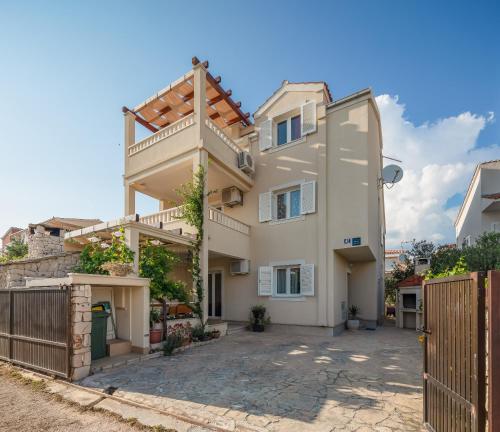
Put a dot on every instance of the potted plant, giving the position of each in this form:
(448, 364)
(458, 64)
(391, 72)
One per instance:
(258, 319)
(353, 322)
(119, 256)
(154, 331)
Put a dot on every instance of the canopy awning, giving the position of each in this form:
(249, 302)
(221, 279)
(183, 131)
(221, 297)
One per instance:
(176, 101)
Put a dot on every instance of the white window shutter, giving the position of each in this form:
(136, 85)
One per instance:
(307, 279)
(308, 117)
(308, 197)
(266, 135)
(265, 281)
(265, 206)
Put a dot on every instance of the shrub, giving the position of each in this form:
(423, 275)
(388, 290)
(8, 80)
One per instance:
(97, 253)
(172, 342)
(15, 250)
(353, 311)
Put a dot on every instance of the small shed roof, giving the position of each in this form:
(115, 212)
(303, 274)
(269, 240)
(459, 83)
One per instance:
(413, 280)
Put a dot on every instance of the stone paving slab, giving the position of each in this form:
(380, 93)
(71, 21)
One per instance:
(365, 380)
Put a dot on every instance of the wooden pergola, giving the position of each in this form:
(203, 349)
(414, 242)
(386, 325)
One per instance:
(176, 102)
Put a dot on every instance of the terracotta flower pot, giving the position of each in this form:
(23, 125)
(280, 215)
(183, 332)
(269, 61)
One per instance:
(117, 268)
(154, 336)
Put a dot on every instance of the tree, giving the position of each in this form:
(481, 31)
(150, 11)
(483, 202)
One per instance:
(406, 267)
(15, 250)
(155, 263)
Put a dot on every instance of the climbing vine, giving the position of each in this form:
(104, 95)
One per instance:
(193, 197)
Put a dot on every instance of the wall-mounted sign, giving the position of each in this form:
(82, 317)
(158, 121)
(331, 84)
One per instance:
(353, 241)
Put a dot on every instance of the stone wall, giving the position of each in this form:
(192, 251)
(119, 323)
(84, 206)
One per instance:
(14, 273)
(41, 243)
(81, 321)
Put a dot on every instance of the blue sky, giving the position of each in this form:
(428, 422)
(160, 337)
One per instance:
(67, 68)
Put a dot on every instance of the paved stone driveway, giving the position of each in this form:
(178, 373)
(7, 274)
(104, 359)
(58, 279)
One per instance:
(363, 381)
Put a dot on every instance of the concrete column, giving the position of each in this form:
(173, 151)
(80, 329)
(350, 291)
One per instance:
(129, 200)
(132, 241)
(201, 159)
(199, 101)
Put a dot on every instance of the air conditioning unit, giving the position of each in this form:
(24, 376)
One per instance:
(240, 267)
(245, 162)
(232, 196)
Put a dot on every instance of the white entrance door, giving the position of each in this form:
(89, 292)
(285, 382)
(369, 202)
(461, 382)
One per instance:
(215, 294)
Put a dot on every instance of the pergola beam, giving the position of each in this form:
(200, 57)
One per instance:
(221, 91)
(140, 120)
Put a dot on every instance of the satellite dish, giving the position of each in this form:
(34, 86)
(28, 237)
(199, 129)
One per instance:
(392, 174)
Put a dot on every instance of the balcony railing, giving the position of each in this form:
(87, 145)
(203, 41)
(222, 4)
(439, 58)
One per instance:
(165, 216)
(225, 139)
(161, 134)
(227, 221)
(175, 214)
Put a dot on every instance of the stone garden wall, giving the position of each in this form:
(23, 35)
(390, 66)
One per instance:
(81, 321)
(41, 243)
(13, 274)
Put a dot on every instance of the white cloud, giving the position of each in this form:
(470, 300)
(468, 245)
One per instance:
(438, 161)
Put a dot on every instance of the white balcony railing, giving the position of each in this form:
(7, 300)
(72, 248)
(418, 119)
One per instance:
(227, 221)
(161, 134)
(175, 214)
(165, 216)
(228, 141)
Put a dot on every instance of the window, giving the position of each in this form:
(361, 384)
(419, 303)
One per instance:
(288, 130)
(282, 133)
(287, 204)
(287, 281)
(295, 126)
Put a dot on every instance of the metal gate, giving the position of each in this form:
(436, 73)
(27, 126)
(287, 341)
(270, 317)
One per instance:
(35, 329)
(454, 356)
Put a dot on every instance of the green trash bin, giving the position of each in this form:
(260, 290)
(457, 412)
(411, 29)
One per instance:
(98, 334)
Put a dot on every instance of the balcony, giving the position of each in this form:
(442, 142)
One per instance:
(226, 235)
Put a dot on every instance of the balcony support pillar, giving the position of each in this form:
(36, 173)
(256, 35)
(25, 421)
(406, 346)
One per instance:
(199, 101)
(129, 200)
(132, 241)
(201, 159)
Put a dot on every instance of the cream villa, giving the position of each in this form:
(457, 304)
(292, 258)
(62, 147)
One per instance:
(480, 210)
(296, 220)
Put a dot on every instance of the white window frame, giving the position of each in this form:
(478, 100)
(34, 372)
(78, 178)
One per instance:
(287, 193)
(286, 265)
(467, 241)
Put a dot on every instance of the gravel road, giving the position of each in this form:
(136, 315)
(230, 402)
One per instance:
(25, 407)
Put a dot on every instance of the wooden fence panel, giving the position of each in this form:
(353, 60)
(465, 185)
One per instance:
(454, 353)
(35, 328)
(494, 351)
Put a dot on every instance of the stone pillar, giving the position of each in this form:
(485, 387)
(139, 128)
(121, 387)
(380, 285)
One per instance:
(201, 159)
(81, 321)
(132, 241)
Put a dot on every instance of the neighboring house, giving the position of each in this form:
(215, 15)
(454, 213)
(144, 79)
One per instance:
(392, 257)
(7, 237)
(409, 303)
(296, 222)
(480, 210)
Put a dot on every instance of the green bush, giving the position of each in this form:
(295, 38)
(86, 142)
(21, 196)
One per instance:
(15, 250)
(97, 253)
(172, 342)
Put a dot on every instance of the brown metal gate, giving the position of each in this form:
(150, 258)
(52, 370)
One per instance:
(454, 356)
(35, 329)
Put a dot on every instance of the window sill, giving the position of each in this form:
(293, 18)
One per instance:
(282, 221)
(297, 298)
(287, 145)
